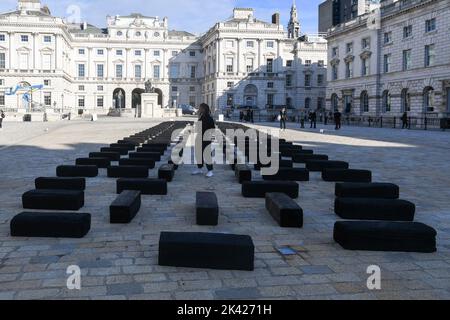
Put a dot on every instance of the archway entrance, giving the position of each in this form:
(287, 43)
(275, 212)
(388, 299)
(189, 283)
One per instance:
(119, 98)
(250, 95)
(136, 101)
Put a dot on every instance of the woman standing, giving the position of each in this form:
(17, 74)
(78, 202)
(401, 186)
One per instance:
(283, 117)
(207, 122)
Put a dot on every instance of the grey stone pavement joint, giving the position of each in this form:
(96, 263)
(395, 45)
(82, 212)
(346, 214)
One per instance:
(121, 261)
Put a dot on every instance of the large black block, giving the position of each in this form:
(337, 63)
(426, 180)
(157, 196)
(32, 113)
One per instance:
(145, 155)
(367, 190)
(60, 183)
(51, 224)
(45, 199)
(320, 165)
(243, 173)
(284, 210)
(125, 207)
(289, 174)
(374, 209)
(145, 186)
(281, 164)
(346, 175)
(259, 189)
(99, 162)
(206, 250)
(207, 209)
(127, 172)
(113, 156)
(127, 146)
(149, 163)
(385, 236)
(132, 143)
(121, 151)
(303, 158)
(77, 171)
(166, 172)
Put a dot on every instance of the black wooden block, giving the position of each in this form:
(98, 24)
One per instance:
(125, 207)
(60, 183)
(320, 165)
(146, 155)
(303, 158)
(127, 146)
(121, 151)
(77, 171)
(259, 189)
(149, 163)
(166, 172)
(284, 210)
(145, 186)
(50, 224)
(243, 173)
(289, 174)
(51, 199)
(385, 236)
(207, 209)
(133, 143)
(346, 175)
(206, 250)
(374, 209)
(98, 162)
(113, 156)
(367, 190)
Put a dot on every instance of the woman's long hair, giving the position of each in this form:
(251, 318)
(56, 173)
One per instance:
(203, 110)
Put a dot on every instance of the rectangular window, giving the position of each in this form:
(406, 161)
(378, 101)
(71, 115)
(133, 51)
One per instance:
(270, 85)
(119, 71)
(307, 80)
(320, 79)
(191, 89)
(2, 99)
(250, 44)
(174, 53)
(100, 71)
(365, 67)
(387, 63)
(289, 63)
(230, 64)
(174, 89)
(269, 65)
(270, 99)
(156, 53)
(365, 43)
(307, 63)
(2, 60)
(47, 98)
(193, 72)
(387, 37)
(174, 71)
(321, 63)
(100, 52)
(47, 39)
(81, 71)
(429, 55)
(81, 52)
(99, 88)
(156, 72)
(192, 53)
(137, 71)
(138, 53)
(349, 47)
(230, 84)
(270, 44)
(47, 83)
(119, 52)
(23, 63)
(230, 99)
(430, 25)
(334, 72)
(289, 80)
(335, 51)
(80, 88)
(249, 65)
(24, 38)
(192, 101)
(406, 60)
(230, 44)
(100, 101)
(46, 62)
(2, 37)
(81, 102)
(407, 32)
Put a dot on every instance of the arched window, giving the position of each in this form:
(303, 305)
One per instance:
(406, 101)
(364, 102)
(428, 99)
(386, 99)
(334, 102)
(307, 103)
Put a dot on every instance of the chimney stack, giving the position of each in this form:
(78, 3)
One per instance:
(276, 18)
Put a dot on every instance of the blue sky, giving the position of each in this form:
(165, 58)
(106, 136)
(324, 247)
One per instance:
(196, 16)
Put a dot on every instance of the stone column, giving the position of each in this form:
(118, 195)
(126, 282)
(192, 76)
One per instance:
(218, 59)
(239, 51)
(260, 41)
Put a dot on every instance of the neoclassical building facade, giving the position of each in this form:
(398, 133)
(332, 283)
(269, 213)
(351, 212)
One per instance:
(392, 61)
(48, 62)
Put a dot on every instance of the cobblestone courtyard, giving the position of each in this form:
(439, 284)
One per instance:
(120, 261)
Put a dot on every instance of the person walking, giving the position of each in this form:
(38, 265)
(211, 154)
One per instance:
(302, 119)
(207, 123)
(325, 118)
(337, 119)
(313, 119)
(283, 117)
(405, 120)
(241, 116)
(2, 116)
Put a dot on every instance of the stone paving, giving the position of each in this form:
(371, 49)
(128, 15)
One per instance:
(120, 261)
